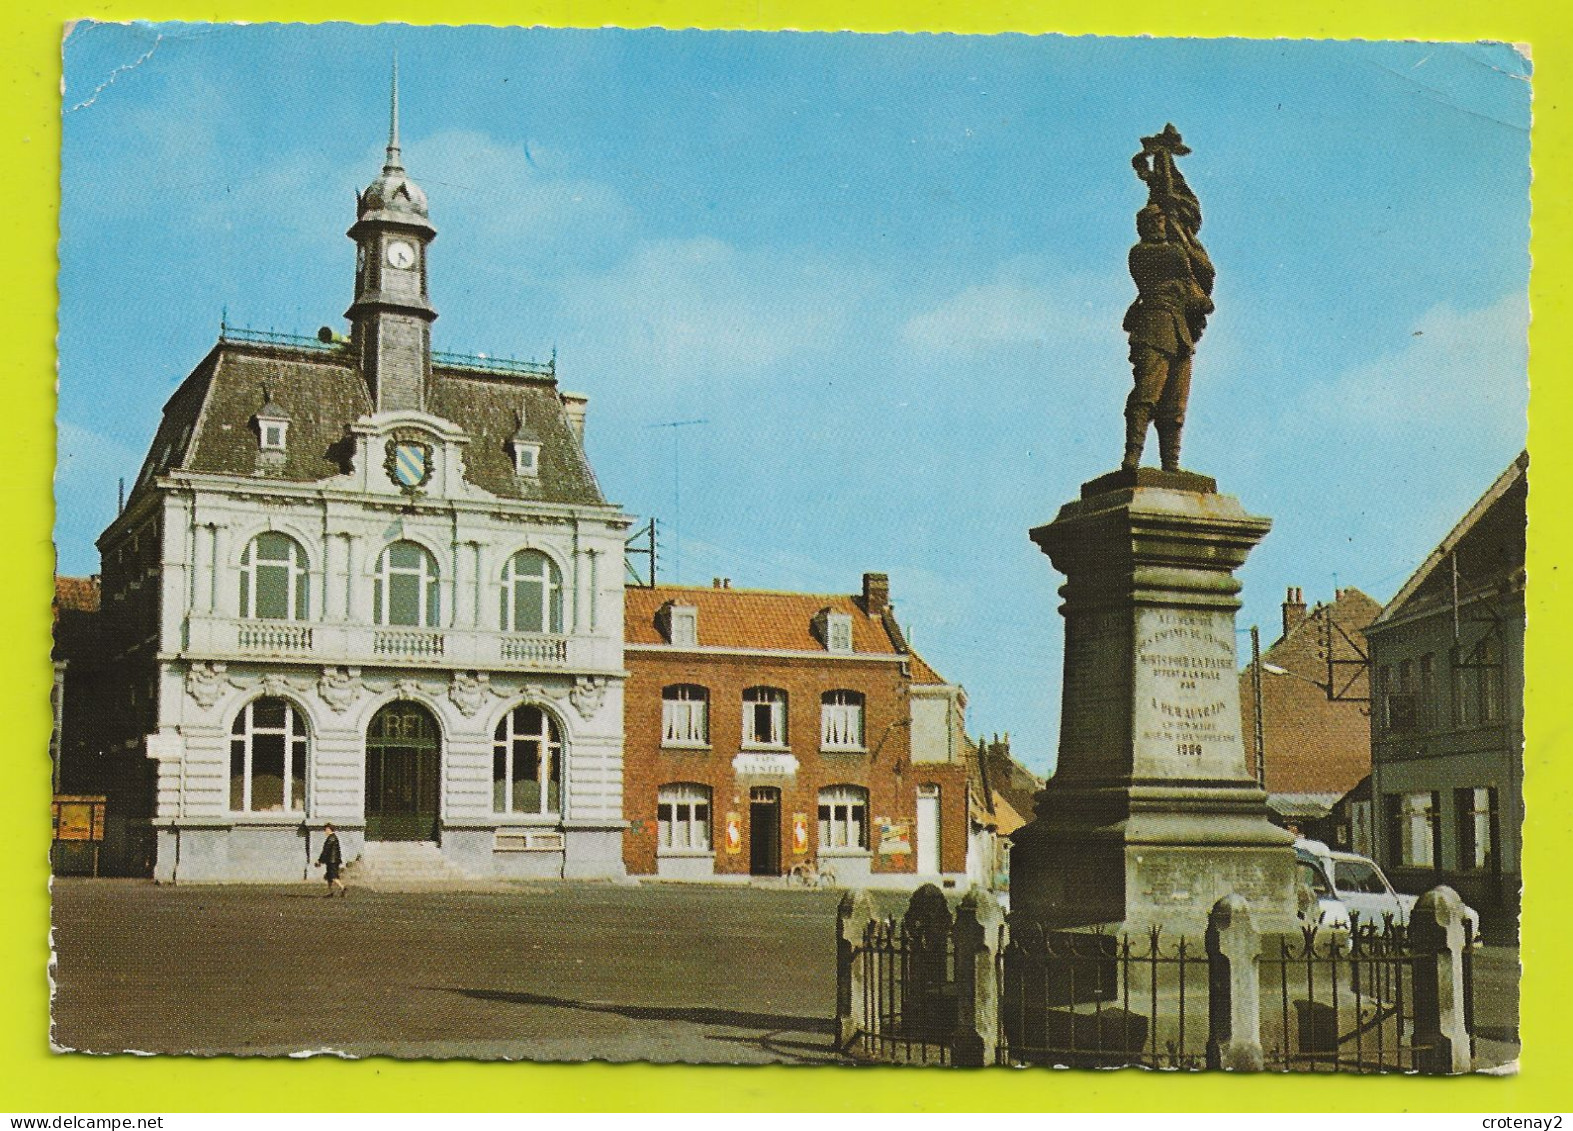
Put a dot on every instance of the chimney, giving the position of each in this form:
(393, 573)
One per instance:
(574, 405)
(876, 593)
(1294, 609)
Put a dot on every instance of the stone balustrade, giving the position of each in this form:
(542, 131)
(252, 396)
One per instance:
(219, 638)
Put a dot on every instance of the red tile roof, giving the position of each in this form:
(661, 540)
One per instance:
(79, 594)
(753, 618)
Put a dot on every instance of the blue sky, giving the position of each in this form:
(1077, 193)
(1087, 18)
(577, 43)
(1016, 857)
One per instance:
(887, 271)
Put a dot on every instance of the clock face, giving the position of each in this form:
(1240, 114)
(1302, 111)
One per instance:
(401, 254)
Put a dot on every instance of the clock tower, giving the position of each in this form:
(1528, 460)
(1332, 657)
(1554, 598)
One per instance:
(391, 317)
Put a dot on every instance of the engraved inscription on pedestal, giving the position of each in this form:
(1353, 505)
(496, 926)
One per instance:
(1096, 707)
(1187, 700)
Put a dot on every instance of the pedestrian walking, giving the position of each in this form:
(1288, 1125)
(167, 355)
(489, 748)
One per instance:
(331, 859)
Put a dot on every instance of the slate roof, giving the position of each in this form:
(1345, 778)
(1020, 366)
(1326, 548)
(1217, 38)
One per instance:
(757, 618)
(209, 423)
(1487, 544)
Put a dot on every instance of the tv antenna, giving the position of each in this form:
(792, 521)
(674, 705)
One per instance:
(677, 493)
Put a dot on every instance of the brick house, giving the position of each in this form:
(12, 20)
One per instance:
(1316, 731)
(764, 730)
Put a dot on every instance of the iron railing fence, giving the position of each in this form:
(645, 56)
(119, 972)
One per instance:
(1337, 1002)
(908, 1006)
(1094, 1000)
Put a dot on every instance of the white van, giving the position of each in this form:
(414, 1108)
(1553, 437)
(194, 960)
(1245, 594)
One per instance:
(1359, 884)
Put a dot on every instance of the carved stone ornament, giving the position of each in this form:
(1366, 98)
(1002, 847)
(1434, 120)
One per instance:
(469, 691)
(275, 685)
(540, 692)
(588, 693)
(208, 683)
(407, 688)
(340, 687)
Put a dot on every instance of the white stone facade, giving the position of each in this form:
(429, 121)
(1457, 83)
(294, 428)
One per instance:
(337, 667)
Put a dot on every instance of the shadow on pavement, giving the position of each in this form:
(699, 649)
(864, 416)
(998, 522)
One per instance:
(698, 1015)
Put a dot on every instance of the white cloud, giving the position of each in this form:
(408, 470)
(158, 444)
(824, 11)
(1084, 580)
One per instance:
(1011, 311)
(691, 307)
(1459, 372)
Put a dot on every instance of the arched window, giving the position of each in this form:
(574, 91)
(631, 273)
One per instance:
(527, 763)
(532, 594)
(405, 590)
(685, 715)
(764, 717)
(683, 816)
(843, 817)
(273, 578)
(267, 759)
(841, 720)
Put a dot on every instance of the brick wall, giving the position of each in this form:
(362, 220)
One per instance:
(885, 770)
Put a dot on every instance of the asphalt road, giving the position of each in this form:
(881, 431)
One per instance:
(551, 971)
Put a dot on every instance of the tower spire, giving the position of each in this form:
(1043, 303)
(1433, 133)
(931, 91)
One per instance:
(393, 164)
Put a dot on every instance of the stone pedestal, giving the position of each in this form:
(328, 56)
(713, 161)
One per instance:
(1153, 813)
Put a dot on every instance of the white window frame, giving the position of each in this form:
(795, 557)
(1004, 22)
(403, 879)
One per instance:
(684, 818)
(526, 459)
(428, 579)
(775, 700)
(272, 434)
(685, 716)
(1417, 815)
(838, 633)
(843, 819)
(297, 584)
(683, 626)
(549, 582)
(242, 743)
(841, 720)
(550, 752)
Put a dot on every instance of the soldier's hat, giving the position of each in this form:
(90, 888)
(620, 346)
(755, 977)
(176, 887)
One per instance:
(1169, 139)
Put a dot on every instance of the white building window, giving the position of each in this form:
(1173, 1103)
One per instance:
(532, 594)
(273, 434)
(267, 759)
(843, 817)
(1412, 829)
(273, 578)
(405, 590)
(838, 632)
(527, 763)
(683, 817)
(683, 626)
(526, 459)
(841, 720)
(764, 717)
(685, 715)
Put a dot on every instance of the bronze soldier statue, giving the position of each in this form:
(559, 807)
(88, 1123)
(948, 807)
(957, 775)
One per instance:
(1174, 282)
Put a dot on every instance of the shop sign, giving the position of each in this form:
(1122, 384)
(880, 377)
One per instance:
(755, 765)
(799, 833)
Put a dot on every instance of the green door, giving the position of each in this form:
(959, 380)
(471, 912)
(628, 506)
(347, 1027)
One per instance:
(403, 764)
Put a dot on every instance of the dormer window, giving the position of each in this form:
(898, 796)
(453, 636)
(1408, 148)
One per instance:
(526, 445)
(834, 631)
(273, 433)
(272, 425)
(682, 626)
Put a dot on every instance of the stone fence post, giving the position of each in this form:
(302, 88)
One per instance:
(979, 920)
(853, 916)
(928, 1011)
(1436, 942)
(1234, 1022)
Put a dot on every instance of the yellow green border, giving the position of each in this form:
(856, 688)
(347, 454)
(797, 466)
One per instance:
(37, 1080)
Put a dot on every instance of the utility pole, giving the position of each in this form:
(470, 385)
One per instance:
(1258, 736)
(677, 497)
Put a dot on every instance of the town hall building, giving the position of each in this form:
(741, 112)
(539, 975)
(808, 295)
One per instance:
(365, 583)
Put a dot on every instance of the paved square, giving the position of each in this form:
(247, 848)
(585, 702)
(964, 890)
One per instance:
(550, 971)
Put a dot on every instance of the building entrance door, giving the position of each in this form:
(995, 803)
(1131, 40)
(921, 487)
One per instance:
(403, 764)
(764, 831)
(928, 830)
